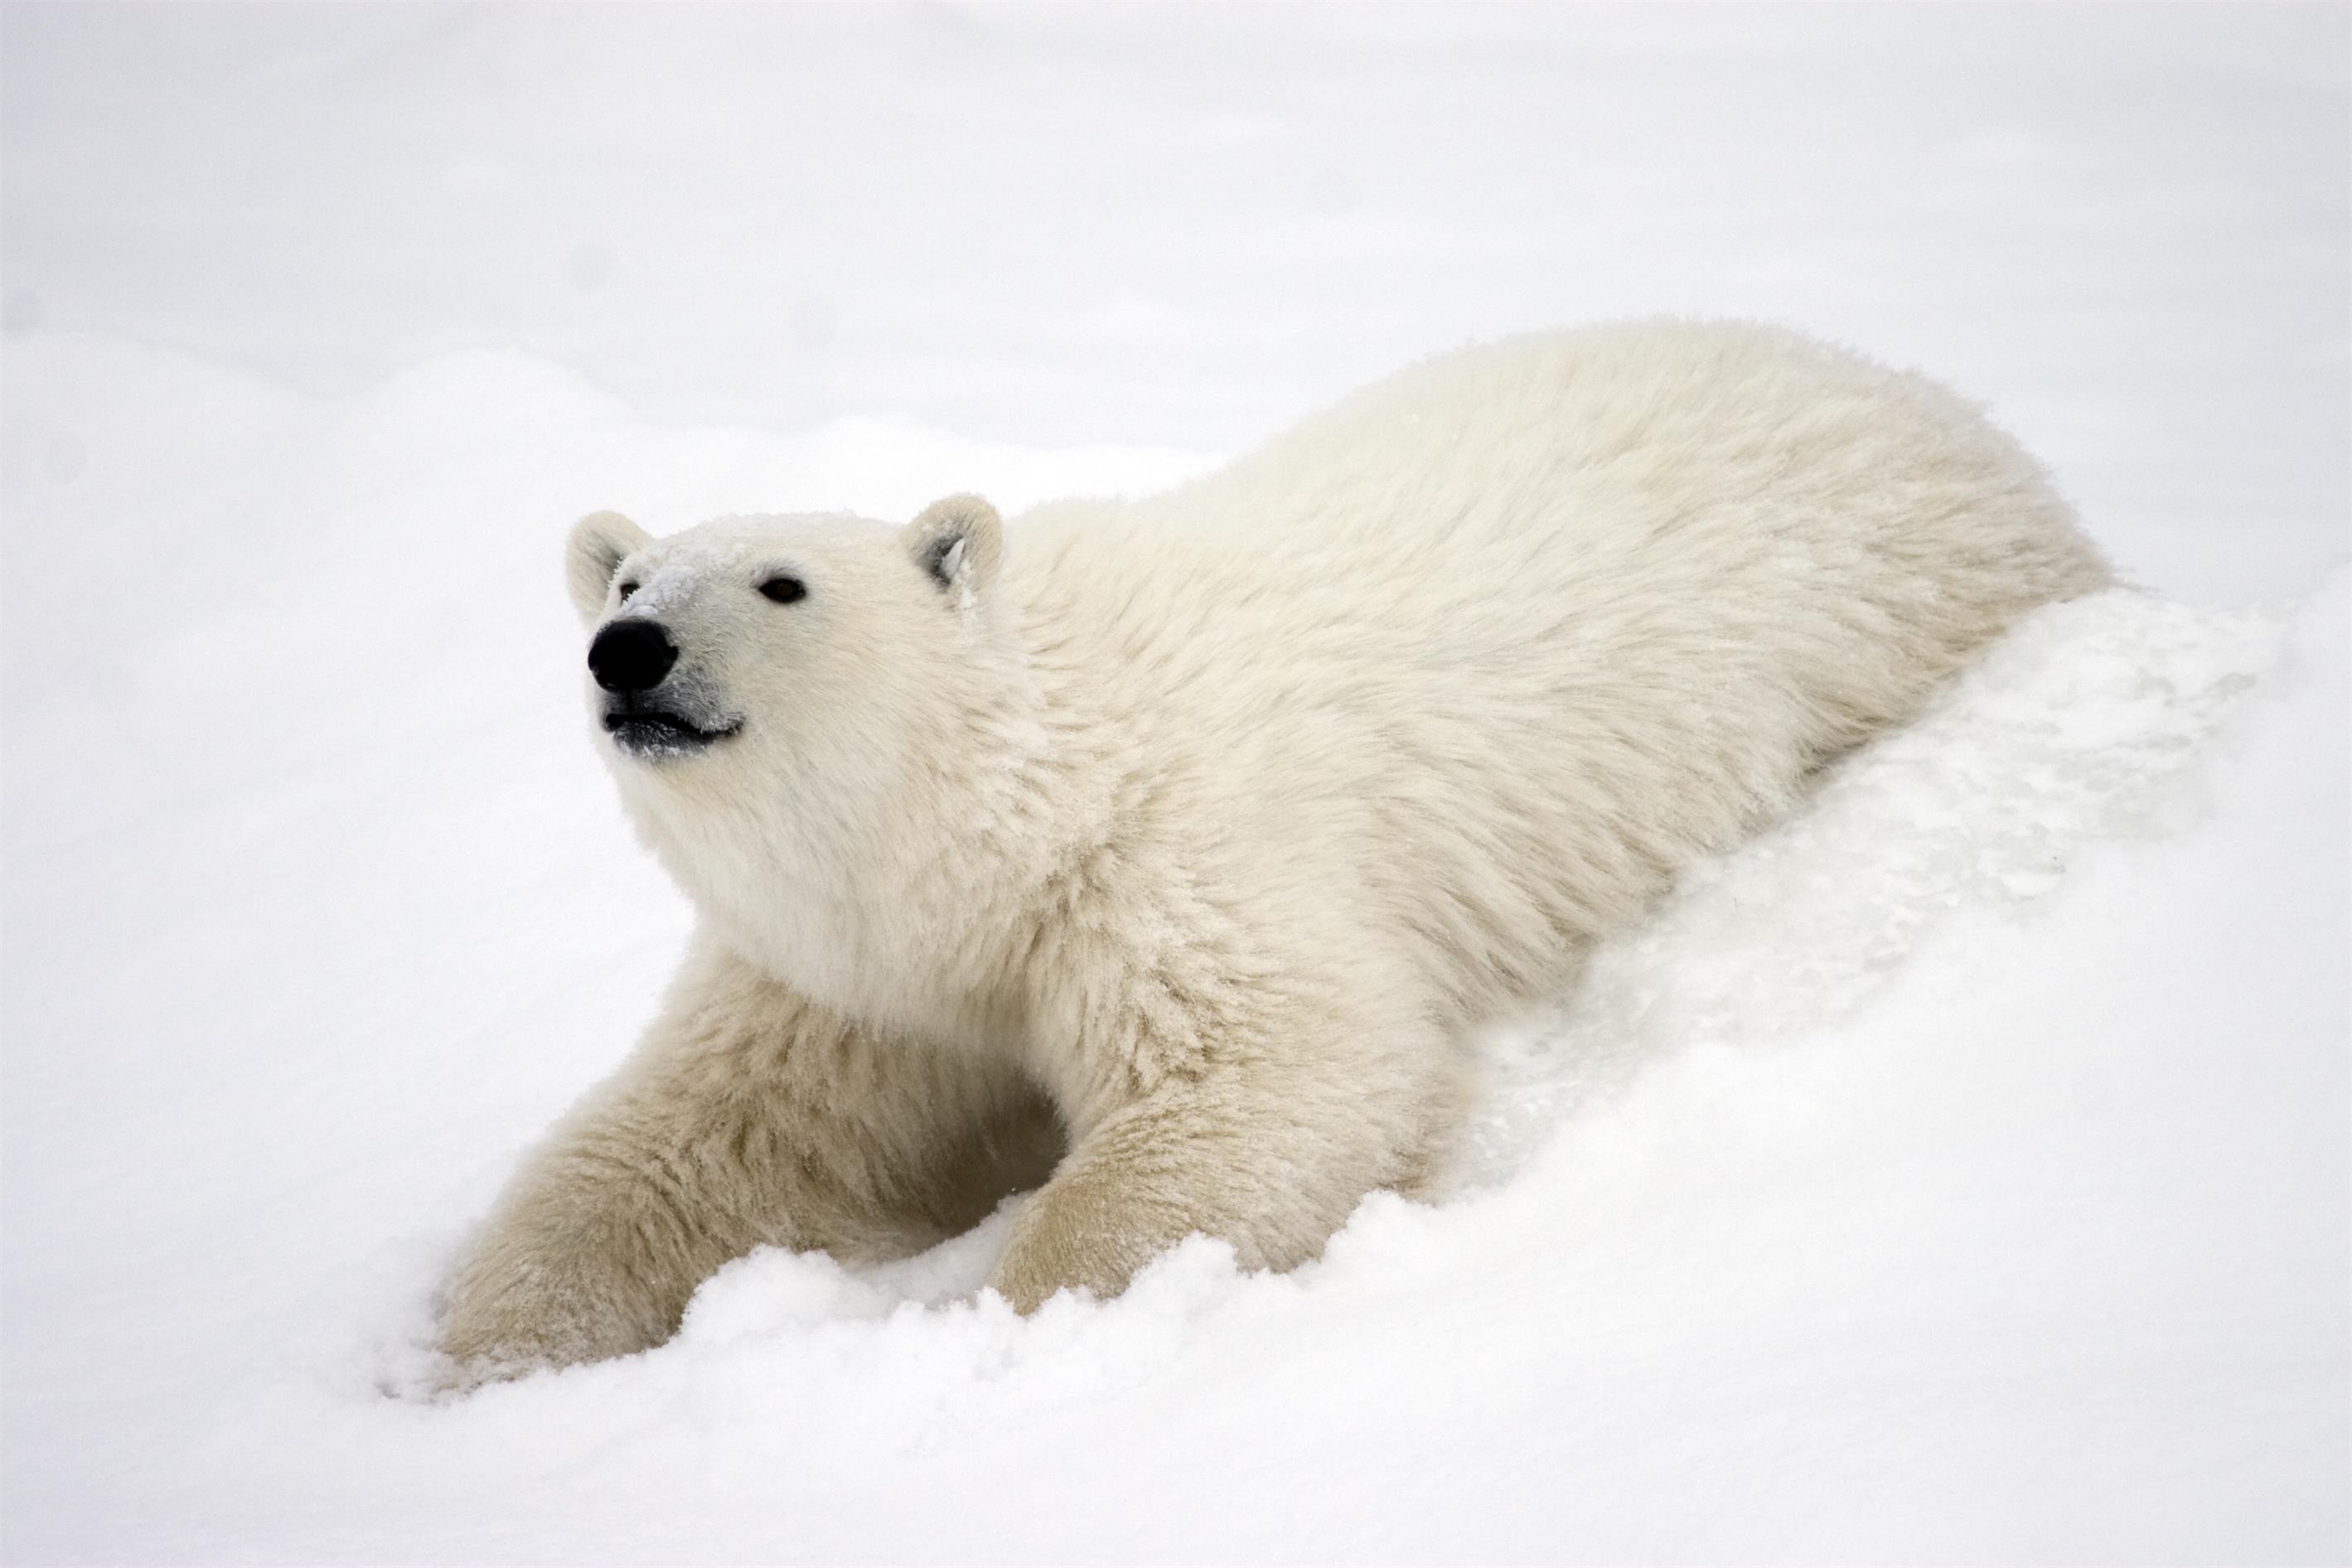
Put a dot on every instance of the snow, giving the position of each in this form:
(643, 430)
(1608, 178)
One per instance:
(1960, 1171)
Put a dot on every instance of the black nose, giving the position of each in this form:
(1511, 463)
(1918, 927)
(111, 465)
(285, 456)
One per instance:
(631, 656)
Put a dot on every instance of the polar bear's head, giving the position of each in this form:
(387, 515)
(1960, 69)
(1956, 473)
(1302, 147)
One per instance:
(805, 713)
(781, 648)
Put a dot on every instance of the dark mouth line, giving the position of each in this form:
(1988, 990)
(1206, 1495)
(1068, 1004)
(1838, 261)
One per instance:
(668, 723)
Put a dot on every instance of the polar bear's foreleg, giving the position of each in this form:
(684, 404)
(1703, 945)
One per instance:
(1270, 1150)
(747, 1116)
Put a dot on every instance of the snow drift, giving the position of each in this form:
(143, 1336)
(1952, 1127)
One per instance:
(1957, 1171)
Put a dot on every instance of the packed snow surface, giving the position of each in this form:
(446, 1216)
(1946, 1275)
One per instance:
(1960, 1171)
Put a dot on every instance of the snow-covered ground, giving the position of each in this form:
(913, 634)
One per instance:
(1962, 1172)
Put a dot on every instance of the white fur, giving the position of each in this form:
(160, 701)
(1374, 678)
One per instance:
(1195, 833)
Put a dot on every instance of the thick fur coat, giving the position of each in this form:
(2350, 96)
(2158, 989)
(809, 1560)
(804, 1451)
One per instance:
(1164, 853)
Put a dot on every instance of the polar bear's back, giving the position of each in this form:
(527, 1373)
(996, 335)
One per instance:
(1527, 627)
(1546, 448)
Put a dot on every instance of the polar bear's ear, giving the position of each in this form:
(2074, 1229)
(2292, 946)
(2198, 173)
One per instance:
(600, 542)
(957, 542)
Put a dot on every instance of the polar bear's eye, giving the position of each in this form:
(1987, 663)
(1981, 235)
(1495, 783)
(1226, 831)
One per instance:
(784, 590)
(627, 589)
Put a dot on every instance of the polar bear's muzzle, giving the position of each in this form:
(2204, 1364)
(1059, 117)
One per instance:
(646, 712)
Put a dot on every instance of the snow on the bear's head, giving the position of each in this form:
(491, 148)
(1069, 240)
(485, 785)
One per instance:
(776, 693)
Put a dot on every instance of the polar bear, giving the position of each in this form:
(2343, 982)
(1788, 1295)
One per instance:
(1161, 855)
